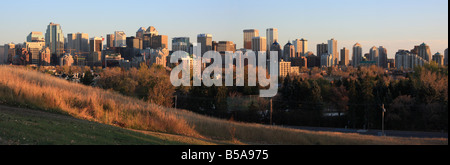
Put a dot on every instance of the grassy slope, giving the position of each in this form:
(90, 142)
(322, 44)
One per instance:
(19, 126)
(21, 87)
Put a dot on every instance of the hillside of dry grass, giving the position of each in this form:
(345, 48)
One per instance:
(28, 88)
(21, 126)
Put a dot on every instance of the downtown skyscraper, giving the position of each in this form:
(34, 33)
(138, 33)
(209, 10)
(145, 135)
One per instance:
(120, 39)
(271, 37)
(248, 36)
(78, 44)
(54, 39)
(205, 41)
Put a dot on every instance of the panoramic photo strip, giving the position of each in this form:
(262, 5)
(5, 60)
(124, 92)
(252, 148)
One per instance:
(224, 80)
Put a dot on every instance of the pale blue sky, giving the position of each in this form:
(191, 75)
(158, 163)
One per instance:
(394, 24)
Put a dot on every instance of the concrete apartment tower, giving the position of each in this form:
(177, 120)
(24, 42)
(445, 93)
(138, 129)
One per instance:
(301, 47)
(333, 51)
(344, 56)
(438, 58)
(373, 54)
(357, 54)
(423, 50)
(446, 56)
(382, 57)
(322, 49)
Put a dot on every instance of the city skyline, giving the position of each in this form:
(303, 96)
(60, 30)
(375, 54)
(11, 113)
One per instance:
(399, 26)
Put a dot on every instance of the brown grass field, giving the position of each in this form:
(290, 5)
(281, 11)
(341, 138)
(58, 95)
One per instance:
(23, 87)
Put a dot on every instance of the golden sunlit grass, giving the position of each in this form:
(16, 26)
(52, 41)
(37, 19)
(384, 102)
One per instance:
(22, 87)
(19, 86)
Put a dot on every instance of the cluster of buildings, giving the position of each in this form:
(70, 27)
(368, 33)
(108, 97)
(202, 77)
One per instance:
(54, 48)
(150, 47)
(418, 56)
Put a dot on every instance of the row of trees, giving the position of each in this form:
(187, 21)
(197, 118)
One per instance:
(415, 101)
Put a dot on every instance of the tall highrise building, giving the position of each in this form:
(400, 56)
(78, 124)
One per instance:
(35, 37)
(95, 55)
(344, 57)
(288, 51)
(423, 50)
(96, 44)
(2, 54)
(259, 44)
(304, 46)
(149, 37)
(134, 42)
(110, 41)
(301, 47)
(313, 60)
(271, 36)
(205, 41)
(373, 54)
(446, 57)
(120, 39)
(248, 36)
(357, 55)
(322, 49)
(140, 32)
(160, 41)
(54, 39)
(78, 44)
(408, 60)
(181, 44)
(382, 57)
(276, 47)
(333, 51)
(438, 58)
(224, 46)
(326, 60)
(151, 30)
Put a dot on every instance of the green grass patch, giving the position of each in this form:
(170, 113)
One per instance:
(20, 126)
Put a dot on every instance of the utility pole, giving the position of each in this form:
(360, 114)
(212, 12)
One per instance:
(176, 98)
(382, 119)
(271, 111)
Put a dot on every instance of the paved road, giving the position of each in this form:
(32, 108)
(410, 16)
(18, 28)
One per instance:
(377, 132)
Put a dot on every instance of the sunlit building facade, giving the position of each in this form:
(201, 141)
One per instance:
(248, 37)
(54, 39)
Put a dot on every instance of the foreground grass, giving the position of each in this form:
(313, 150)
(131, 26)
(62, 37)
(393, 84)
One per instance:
(19, 126)
(27, 88)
